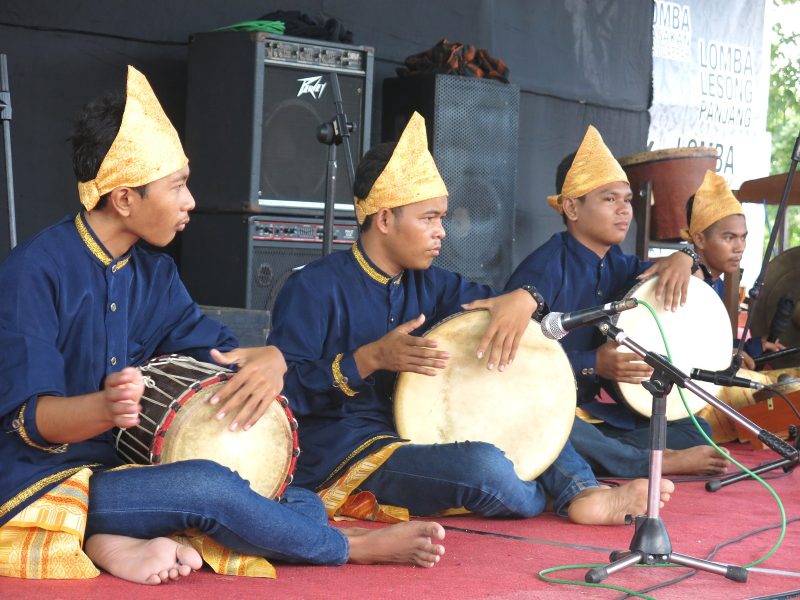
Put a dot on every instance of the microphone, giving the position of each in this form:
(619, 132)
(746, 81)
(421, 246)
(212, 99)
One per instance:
(725, 379)
(556, 325)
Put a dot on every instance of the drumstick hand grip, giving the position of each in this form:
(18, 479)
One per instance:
(556, 325)
(724, 379)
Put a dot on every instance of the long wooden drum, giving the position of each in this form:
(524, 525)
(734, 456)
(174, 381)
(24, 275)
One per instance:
(675, 174)
(698, 334)
(527, 410)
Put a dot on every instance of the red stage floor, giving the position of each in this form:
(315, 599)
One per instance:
(500, 559)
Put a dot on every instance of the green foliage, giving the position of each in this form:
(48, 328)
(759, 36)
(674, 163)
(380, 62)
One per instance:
(783, 114)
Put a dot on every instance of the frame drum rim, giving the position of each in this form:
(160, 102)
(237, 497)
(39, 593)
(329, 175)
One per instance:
(519, 409)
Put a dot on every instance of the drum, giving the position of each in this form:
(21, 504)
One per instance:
(675, 174)
(698, 334)
(177, 423)
(527, 410)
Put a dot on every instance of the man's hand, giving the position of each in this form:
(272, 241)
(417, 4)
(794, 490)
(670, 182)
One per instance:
(510, 316)
(673, 273)
(623, 367)
(122, 392)
(399, 351)
(255, 385)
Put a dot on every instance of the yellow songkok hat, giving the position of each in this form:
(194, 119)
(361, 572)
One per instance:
(409, 176)
(593, 166)
(713, 201)
(146, 148)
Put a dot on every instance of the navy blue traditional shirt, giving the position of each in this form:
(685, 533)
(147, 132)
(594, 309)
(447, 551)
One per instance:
(70, 314)
(570, 276)
(323, 314)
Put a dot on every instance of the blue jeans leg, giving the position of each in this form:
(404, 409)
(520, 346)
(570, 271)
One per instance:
(428, 479)
(681, 434)
(608, 455)
(148, 502)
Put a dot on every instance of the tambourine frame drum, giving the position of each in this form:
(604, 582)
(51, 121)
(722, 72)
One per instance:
(527, 410)
(177, 423)
(698, 334)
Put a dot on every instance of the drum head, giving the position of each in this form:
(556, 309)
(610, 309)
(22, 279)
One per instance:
(699, 336)
(262, 455)
(527, 410)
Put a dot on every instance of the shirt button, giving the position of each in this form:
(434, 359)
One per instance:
(391, 319)
(113, 307)
(599, 292)
(113, 360)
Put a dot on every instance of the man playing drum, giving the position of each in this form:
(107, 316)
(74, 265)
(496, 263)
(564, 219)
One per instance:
(718, 231)
(349, 322)
(584, 266)
(81, 304)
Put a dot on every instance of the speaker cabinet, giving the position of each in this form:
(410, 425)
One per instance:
(255, 102)
(243, 260)
(472, 132)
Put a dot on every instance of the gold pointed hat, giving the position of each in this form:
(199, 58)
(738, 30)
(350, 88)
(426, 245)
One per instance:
(409, 176)
(145, 149)
(713, 201)
(593, 166)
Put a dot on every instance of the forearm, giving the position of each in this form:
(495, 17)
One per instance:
(63, 420)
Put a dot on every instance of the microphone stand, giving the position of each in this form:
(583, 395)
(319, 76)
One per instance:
(334, 132)
(5, 118)
(650, 544)
(754, 293)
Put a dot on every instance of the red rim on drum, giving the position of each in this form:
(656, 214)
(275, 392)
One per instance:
(177, 423)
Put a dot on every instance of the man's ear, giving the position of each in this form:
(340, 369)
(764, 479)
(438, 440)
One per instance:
(121, 199)
(569, 206)
(383, 219)
(699, 240)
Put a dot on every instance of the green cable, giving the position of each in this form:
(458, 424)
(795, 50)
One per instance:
(772, 551)
(268, 26)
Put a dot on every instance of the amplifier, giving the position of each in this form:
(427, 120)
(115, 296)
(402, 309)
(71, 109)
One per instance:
(243, 260)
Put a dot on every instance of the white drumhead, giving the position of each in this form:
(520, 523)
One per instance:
(527, 410)
(698, 334)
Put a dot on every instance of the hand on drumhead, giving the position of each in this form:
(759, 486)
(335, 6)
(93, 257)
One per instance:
(258, 380)
(623, 367)
(399, 351)
(122, 392)
(510, 316)
(673, 273)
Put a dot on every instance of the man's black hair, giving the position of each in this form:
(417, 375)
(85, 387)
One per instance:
(92, 135)
(369, 169)
(561, 174)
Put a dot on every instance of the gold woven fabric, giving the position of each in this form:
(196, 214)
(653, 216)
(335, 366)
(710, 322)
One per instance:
(341, 503)
(225, 561)
(713, 201)
(146, 148)
(594, 166)
(43, 541)
(409, 176)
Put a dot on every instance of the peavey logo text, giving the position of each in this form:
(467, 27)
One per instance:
(313, 86)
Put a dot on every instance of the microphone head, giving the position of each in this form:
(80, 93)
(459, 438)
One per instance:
(551, 326)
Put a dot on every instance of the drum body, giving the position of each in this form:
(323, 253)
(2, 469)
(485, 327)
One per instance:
(177, 423)
(527, 410)
(675, 174)
(698, 334)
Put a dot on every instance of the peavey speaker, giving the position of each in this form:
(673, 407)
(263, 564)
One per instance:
(243, 260)
(255, 102)
(472, 129)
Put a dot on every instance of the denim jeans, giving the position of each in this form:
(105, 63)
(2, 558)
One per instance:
(147, 502)
(428, 479)
(618, 452)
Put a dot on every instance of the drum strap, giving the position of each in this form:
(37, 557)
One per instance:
(341, 503)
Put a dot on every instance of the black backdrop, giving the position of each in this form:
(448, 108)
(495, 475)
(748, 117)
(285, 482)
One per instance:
(576, 62)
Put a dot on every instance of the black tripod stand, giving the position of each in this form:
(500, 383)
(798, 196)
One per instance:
(334, 132)
(651, 544)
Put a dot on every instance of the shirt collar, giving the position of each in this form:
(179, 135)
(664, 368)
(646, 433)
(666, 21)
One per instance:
(95, 246)
(584, 253)
(371, 269)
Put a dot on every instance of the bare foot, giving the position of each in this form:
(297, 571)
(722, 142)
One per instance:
(142, 561)
(704, 460)
(608, 506)
(401, 543)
